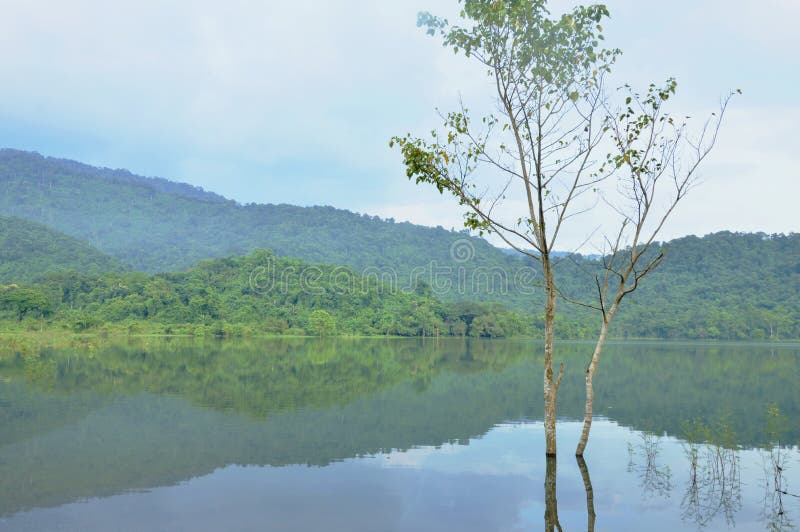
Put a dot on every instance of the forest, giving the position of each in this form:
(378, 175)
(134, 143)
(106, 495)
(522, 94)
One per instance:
(704, 293)
(152, 256)
(29, 250)
(153, 225)
(232, 297)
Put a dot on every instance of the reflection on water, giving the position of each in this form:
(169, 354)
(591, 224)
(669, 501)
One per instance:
(654, 478)
(776, 461)
(714, 485)
(395, 435)
(587, 485)
(550, 498)
(776, 489)
(551, 521)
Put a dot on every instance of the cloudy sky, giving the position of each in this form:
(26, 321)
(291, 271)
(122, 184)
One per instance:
(294, 102)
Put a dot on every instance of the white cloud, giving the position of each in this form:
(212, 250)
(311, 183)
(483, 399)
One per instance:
(229, 95)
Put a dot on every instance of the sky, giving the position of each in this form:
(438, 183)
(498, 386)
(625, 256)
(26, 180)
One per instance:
(294, 102)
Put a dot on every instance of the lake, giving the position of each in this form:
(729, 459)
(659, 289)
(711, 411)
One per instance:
(394, 434)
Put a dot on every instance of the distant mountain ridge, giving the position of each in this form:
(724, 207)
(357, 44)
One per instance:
(29, 250)
(155, 225)
(34, 165)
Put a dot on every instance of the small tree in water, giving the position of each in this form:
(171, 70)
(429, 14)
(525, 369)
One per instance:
(548, 76)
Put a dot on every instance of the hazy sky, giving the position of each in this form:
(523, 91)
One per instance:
(294, 102)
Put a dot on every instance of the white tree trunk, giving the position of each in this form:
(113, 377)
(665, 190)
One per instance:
(587, 419)
(550, 384)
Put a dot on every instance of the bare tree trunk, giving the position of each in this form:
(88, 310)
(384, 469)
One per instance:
(587, 419)
(587, 485)
(550, 385)
(550, 502)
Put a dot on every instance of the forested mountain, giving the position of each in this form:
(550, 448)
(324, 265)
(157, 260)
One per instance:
(257, 293)
(32, 166)
(725, 285)
(29, 250)
(722, 286)
(156, 226)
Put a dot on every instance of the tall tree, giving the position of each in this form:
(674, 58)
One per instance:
(656, 164)
(548, 78)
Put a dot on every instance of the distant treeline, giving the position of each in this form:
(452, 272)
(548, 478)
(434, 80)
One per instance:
(265, 294)
(256, 294)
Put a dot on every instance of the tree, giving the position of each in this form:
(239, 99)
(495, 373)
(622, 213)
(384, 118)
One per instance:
(548, 78)
(321, 323)
(24, 300)
(653, 158)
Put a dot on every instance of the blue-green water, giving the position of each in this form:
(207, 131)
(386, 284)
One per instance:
(396, 435)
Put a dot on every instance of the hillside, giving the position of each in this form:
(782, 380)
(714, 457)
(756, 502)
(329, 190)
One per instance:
(257, 293)
(724, 285)
(29, 250)
(156, 226)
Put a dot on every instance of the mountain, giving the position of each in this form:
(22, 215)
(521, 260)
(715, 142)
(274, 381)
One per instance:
(724, 285)
(156, 226)
(29, 250)
(33, 166)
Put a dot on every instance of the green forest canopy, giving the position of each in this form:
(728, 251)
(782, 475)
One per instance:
(29, 250)
(725, 285)
(154, 225)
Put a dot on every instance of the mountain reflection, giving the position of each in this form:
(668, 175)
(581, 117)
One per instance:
(91, 422)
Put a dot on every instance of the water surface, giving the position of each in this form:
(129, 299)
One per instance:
(395, 435)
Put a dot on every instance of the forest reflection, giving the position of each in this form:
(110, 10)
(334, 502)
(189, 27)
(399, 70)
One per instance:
(260, 378)
(179, 410)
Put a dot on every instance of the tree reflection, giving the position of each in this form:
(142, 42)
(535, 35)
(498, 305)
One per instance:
(775, 464)
(550, 502)
(714, 485)
(775, 490)
(551, 521)
(277, 375)
(259, 377)
(587, 485)
(643, 461)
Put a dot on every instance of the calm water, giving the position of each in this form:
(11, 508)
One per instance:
(372, 435)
